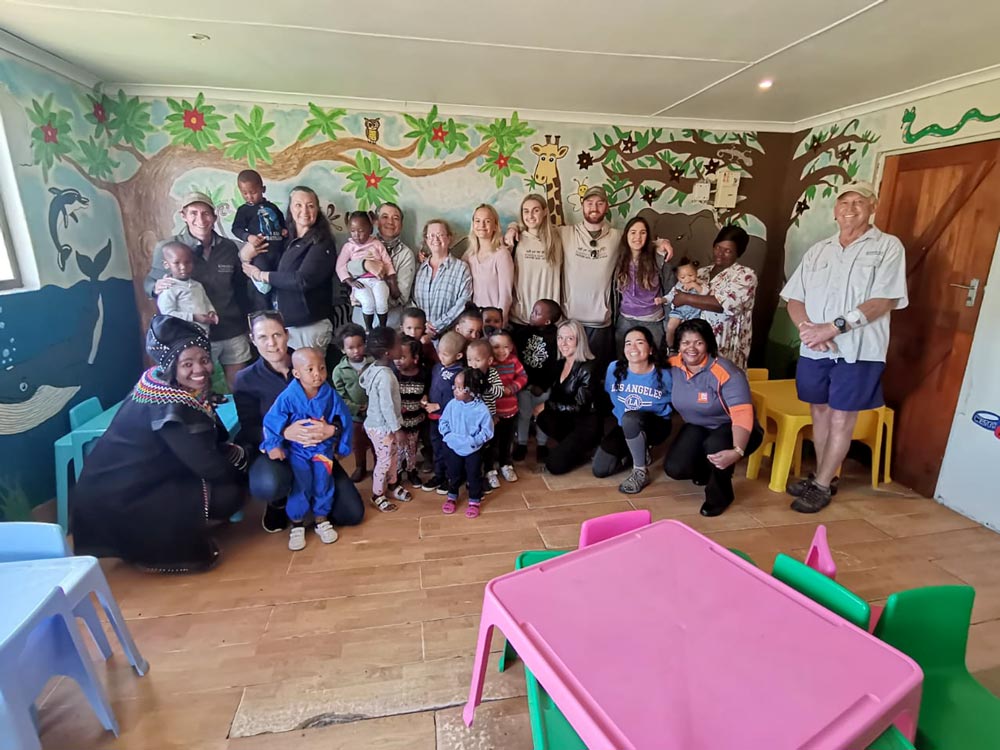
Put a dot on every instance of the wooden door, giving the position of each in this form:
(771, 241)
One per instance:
(945, 207)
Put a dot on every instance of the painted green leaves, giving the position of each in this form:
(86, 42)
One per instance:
(127, 119)
(369, 181)
(250, 140)
(50, 134)
(324, 122)
(439, 135)
(507, 138)
(95, 159)
(193, 124)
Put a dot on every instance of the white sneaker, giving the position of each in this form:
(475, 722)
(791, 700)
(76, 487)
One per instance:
(508, 473)
(327, 534)
(492, 480)
(297, 538)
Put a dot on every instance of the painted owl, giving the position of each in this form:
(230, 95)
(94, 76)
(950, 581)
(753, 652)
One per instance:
(372, 126)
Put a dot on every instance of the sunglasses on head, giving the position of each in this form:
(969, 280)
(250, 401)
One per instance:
(266, 315)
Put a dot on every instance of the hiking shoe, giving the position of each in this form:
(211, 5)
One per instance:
(327, 534)
(492, 480)
(798, 487)
(520, 452)
(297, 538)
(434, 483)
(635, 482)
(507, 472)
(813, 500)
(275, 518)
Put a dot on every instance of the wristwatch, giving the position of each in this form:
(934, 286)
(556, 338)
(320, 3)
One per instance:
(840, 323)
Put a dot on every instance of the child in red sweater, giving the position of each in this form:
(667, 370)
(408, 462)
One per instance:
(514, 378)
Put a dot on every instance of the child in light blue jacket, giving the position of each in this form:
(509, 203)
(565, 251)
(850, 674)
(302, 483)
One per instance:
(466, 426)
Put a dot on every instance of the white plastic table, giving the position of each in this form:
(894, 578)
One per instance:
(660, 639)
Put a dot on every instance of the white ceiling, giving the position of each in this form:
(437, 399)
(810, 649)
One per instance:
(590, 59)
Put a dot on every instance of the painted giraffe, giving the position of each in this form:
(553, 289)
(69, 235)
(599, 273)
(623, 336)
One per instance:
(547, 173)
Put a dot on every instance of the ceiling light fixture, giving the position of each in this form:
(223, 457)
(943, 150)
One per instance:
(765, 84)
(200, 37)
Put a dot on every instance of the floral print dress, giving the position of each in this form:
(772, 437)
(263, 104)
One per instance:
(735, 289)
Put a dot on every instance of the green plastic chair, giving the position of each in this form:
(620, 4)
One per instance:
(549, 728)
(822, 590)
(931, 626)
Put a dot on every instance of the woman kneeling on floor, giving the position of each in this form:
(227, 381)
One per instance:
(639, 387)
(712, 395)
(164, 468)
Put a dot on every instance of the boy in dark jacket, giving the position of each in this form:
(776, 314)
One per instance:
(259, 222)
(451, 353)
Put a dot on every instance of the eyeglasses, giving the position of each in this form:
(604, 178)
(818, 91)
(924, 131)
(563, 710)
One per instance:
(266, 315)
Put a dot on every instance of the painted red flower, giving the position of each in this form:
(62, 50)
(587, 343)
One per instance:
(372, 180)
(99, 114)
(439, 134)
(50, 133)
(194, 119)
(501, 161)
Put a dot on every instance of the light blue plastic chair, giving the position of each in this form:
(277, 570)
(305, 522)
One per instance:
(39, 640)
(26, 541)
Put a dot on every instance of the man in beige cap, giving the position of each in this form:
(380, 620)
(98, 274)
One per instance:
(217, 266)
(840, 297)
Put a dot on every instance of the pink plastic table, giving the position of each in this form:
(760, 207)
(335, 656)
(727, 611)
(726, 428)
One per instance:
(661, 639)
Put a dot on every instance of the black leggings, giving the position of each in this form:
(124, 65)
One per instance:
(576, 436)
(688, 459)
(271, 481)
(613, 455)
(496, 453)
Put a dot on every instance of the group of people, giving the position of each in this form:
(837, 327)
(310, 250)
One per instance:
(455, 361)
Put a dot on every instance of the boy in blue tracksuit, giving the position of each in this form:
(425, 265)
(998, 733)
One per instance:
(451, 353)
(309, 396)
(466, 426)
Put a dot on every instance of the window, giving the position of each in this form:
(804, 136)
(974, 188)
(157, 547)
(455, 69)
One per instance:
(10, 276)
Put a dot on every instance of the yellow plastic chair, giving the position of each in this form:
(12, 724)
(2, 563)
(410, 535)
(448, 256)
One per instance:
(787, 421)
(870, 429)
(755, 374)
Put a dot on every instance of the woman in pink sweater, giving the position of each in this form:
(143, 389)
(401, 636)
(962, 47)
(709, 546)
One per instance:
(490, 263)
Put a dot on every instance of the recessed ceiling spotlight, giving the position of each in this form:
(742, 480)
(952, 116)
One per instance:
(765, 84)
(200, 37)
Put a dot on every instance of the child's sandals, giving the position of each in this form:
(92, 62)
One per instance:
(384, 504)
(400, 493)
(448, 506)
(472, 511)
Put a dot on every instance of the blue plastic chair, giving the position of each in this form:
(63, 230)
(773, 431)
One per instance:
(39, 640)
(25, 541)
(84, 411)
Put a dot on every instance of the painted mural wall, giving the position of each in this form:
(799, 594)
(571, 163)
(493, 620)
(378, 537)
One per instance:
(74, 336)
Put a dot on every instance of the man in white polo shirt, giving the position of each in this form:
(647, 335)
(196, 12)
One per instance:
(840, 297)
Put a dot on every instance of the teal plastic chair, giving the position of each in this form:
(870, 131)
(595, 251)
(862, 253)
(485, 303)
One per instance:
(822, 590)
(931, 626)
(84, 412)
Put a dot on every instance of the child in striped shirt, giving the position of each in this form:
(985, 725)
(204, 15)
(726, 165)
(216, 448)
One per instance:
(479, 356)
(413, 385)
(514, 379)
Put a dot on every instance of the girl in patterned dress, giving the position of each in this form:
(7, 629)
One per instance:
(413, 387)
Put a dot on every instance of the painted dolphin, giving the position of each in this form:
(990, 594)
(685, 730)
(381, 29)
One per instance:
(63, 207)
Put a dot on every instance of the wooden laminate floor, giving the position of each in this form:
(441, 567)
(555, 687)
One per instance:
(368, 643)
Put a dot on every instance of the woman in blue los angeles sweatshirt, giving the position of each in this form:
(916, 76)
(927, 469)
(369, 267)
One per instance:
(466, 426)
(639, 387)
